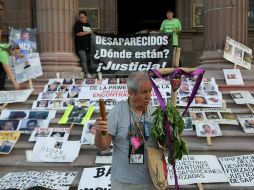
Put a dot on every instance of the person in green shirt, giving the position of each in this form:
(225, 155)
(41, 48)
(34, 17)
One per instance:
(7, 50)
(171, 25)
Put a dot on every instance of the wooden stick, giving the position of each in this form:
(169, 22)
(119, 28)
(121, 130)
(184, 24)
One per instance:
(30, 84)
(209, 140)
(71, 126)
(103, 114)
(3, 106)
(175, 63)
(200, 186)
(235, 66)
(224, 104)
(251, 109)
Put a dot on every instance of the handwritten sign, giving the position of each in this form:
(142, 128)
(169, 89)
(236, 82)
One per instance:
(197, 169)
(239, 169)
(52, 150)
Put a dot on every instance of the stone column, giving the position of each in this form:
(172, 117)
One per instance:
(222, 18)
(55, 20)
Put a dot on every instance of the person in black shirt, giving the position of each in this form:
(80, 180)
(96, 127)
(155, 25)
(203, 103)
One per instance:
(82, 30)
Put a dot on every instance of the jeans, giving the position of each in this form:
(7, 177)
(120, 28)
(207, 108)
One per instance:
(84, 60)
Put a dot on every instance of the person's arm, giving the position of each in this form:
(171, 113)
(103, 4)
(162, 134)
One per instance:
(102, 142)
(83, 33)
(179, 27)
(7, 69)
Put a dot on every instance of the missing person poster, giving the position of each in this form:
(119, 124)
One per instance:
(197, 169)
(28, 114)
(7, 141)
(242, 97)
(56, 133)
(14, 96)
(237, 53)
(239, 169)
(124, 54)
(233, 77)
(247, 122)
(76, 115)
(28, 67)
(95, 178)
(219, 115)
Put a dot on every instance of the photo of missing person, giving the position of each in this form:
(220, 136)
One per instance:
(9, 125)
(208, 129)
(200, 100)
(38, 114)
(237, 95)
(212, 115)
(17, 115)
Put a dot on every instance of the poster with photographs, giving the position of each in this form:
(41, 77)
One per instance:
(7, 141)
(188, 123)
(247, 123)
(48, 179)
(208, 128)
(219, 115)
(76, 115)
(208, 94)
(28, 114)
(105, 156)
(88, 133)
(233, 77)
(28, 67)
(56, 133)
(242, 97)
(237, 53)
(59, 93)
(239, 169)
(14, 96)
(28, 125)
(95, 178)
(25, 38)
(53, 150)
(194, 169)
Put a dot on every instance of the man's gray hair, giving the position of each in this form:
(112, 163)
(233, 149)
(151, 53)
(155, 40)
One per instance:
(134, 80)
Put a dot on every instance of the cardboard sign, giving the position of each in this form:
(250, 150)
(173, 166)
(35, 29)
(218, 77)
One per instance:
(197, 169)
(239, 169)
(95, 178)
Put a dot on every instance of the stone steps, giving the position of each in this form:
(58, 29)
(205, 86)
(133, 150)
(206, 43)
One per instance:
(233, 142)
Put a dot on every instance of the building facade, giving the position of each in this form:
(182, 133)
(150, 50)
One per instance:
(206, 23)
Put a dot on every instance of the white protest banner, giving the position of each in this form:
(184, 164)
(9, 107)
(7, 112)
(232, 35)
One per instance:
(47, 179)
(28, 67)
(95, 178)
(14, 96)
(20, 180)
(239, 169)
(197, 169)
(57, 180)
(28, 114)
(53, 150)
(233, 77)
(247, 123)
(242, 97)
(56, 133)
(237, 53)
